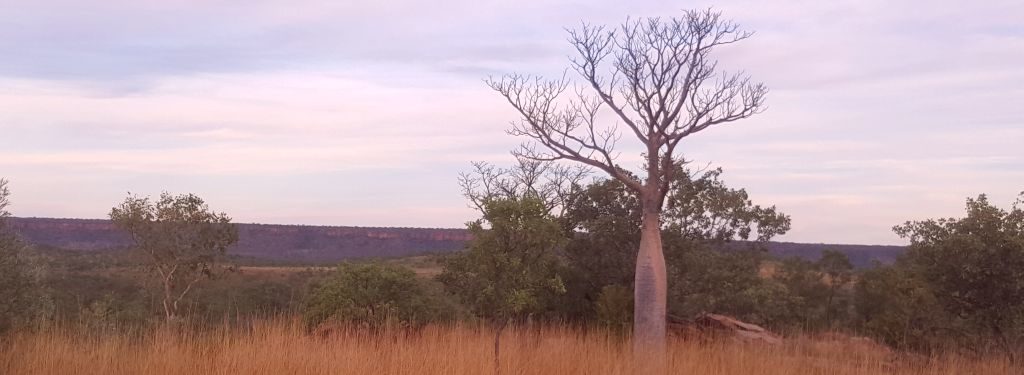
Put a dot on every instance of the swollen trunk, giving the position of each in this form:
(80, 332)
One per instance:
(650, 289)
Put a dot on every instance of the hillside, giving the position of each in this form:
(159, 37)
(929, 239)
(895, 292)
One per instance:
(301, 243)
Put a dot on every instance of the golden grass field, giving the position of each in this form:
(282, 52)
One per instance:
(283, 347)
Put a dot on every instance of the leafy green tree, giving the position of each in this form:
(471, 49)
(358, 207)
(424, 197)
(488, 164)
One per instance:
(21, 296)
(510, 266)
(975, 265)
(838, 270)
(603, 254)
(704, 210)
(375, 295)
(510, 269)
(183, 240)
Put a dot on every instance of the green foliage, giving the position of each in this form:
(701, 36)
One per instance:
(112, 291)
(510, 268)
(811, 295)
(896, 305)
(705, 280)
(614, 307)
(703, 216)
(241, 295)
(974, 265)
(838, 270)
(804, 281)
(183, 239)
(375, 295)
(771, 304)
(22, 299)
(703, 209)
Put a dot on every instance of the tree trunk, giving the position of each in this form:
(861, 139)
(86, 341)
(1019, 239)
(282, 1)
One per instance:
(497, 347)
(169, 311)
(650, 288)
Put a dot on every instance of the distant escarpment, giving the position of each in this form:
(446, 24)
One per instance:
(294, 243)
(323, 244)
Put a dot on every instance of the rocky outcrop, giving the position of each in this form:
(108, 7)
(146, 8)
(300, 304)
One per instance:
(717, 325)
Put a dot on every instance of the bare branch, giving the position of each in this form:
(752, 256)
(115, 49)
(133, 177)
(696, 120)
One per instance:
(551, 182)
(657, 76)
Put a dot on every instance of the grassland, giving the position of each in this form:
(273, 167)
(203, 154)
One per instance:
(283, 347)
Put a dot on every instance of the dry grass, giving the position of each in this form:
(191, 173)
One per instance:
(284, 348)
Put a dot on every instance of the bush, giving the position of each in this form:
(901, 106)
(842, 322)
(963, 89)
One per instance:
(898, 307)
(614, 307)
(21, 296)
(376, 295)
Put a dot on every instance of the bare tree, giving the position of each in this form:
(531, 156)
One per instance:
(658, 77)
(552, 183)
(4, 193)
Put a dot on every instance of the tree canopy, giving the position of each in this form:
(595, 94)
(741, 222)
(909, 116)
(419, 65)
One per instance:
(509, 269)
(181, 237)
(376, 296)
(21, 294)
(975, 264)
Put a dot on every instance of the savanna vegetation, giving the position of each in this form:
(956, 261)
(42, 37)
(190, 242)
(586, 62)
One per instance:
(549, 266)
(568, 271)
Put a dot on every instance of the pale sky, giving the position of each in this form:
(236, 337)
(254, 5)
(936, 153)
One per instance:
(351, 113)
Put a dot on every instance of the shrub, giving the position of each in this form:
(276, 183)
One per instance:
(375, 295)
(614, 307)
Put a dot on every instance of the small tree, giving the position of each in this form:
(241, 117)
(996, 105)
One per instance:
(837, 268)
(182, 238)
(510, 266)
(975, 265)
(374, 295)
(658, 77)
(20, 292)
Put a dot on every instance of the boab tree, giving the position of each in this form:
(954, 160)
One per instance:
(658, 77)
(182, 238)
